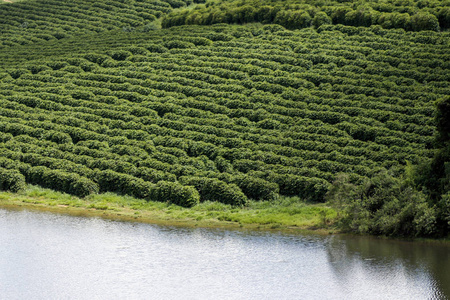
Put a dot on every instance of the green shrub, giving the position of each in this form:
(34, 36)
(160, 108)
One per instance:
(156, 48)
(313, 189)
(111, 181)
(176, 3)
(96, 58)
(257, 188)
(35, 69)
(11, 180)
(16, 73)
(383, 205)
(444, 214)
(320, 19)
(174, 192)
(219, 36)
(212, 189)
(62, 181)
(57, 65)
(293, 19)
(223, 165)
(424, 21)
(178, 44)
(120, 55)
(273, 28)
(163, 191)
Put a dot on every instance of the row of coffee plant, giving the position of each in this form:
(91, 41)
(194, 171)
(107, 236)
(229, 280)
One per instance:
(34, 21)
(222, 113)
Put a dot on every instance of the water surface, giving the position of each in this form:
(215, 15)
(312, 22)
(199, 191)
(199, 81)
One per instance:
(50, 256)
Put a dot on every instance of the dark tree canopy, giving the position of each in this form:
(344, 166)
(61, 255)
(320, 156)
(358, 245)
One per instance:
(443, 120)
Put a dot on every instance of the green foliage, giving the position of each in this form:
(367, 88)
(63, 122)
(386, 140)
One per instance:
(124, 184)
(424, 21)
(257, 188)
(238, 112)
(11, 180)
(340, 192)
(383, 205)
(176, 193)
(212, 189)
(59, 20)
(295, 14)
(16, 73)
(178, 44)
(150, 27)
(313, 189)
(444, 17)
(444, 213)
(320, 19)
(434, 176)
(120, 54)
(443, 120)
(61, 181)
(164, 191)
(293, 19)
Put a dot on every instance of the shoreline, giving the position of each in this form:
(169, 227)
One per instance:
(306, 219)
(207, 215)
(188, 223)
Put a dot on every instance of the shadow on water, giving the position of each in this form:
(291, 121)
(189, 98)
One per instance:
(429, 263)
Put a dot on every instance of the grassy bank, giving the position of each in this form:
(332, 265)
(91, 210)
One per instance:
(287, 214)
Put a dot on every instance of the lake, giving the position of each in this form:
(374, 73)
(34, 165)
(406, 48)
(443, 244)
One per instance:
(51, 256)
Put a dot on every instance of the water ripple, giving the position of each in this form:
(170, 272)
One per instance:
(47, 256)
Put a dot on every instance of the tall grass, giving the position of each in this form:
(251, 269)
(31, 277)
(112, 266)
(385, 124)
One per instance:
(286, 212)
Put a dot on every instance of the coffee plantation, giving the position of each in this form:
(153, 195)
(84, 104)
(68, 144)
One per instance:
(91, 103)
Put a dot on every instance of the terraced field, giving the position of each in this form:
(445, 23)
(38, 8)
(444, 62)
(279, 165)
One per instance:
(237, 112)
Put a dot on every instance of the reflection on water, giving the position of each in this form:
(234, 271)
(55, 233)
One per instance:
(394, 264)
(46, 256)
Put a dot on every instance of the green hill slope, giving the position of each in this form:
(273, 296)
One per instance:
(286, 108)
(33, 21)
(296, 14)
(223, 112)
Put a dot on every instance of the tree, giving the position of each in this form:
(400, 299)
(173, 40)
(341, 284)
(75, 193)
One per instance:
(439, 181)
(443, 120)
(383, 205)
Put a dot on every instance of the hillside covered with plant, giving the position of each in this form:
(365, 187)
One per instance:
(94, 98)
(296, 14)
